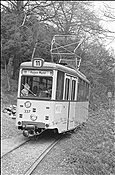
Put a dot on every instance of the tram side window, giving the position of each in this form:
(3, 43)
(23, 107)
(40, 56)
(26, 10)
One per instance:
(83, 90)
(87, 91)
(67, 89)
(80, 90)
(73, 90)
(60, 85)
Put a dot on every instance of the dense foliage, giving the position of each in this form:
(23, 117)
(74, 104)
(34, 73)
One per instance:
(28, 28)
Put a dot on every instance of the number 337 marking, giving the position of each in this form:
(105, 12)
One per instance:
(27, 111)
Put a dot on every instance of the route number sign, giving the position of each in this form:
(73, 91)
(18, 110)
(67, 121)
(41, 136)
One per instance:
(37, 62)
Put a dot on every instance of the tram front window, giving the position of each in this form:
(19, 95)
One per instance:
(36, 87)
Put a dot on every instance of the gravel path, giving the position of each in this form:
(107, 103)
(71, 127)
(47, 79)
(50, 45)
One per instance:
(19, 160)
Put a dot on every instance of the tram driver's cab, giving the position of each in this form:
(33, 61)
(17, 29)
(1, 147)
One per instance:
(34, 86)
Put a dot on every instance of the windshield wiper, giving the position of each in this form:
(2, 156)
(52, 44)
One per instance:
(29, 90)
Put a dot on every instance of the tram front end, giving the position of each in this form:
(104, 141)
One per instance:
(34, 105)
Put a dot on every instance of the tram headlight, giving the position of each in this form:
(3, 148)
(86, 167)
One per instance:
(19, 123)
(33, 117)
(27, 104)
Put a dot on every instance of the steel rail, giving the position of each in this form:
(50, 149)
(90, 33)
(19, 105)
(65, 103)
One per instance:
(41, 157)
(15, 148)
(29, 139)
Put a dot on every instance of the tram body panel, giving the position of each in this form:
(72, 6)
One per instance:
(81, 113)
(44, 110)
(56, 114)
(53, 113)
(60, 116)
(71, 117)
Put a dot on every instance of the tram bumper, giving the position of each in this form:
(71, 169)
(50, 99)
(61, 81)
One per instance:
(31, 125)
(31, 129)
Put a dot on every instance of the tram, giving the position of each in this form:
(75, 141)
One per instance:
(50, 96)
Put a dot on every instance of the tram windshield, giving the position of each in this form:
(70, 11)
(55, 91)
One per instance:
(34, 86)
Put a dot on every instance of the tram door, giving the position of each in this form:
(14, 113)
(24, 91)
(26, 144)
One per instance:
(71, 123)
(70, 85)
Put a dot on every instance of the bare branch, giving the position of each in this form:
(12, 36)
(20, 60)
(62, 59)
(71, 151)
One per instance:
(63, 12)
(6, 7)
(26, 3)
(24, 20)
(12, 3)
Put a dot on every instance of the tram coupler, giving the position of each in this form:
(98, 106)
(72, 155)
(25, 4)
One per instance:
(25, 133)
(29, 133)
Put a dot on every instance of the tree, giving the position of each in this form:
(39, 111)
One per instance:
(21, 28)
(76, 17)
(108, 19)
(28, 28)
(109, 12)
(96, 64)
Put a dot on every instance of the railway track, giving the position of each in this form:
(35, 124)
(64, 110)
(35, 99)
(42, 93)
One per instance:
(41, 157)
(13, 149)
(24, 158)
(21, 143)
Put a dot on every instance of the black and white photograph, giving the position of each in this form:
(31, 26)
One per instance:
(57, 87)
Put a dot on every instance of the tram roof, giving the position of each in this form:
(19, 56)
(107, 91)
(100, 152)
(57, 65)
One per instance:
(55, 66)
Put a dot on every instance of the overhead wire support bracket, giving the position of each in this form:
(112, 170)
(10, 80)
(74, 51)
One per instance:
(66, 46)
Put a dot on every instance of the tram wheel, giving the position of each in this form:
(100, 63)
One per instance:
(35, 137)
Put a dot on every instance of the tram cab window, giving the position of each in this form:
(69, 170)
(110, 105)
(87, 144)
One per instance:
(73, 90)
(60, 85)
(34, 86)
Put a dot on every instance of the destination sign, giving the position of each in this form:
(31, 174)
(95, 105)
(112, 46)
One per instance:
(37, 72)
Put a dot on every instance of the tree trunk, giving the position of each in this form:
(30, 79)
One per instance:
(15, 73)
(9, 67)
(8, 78)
